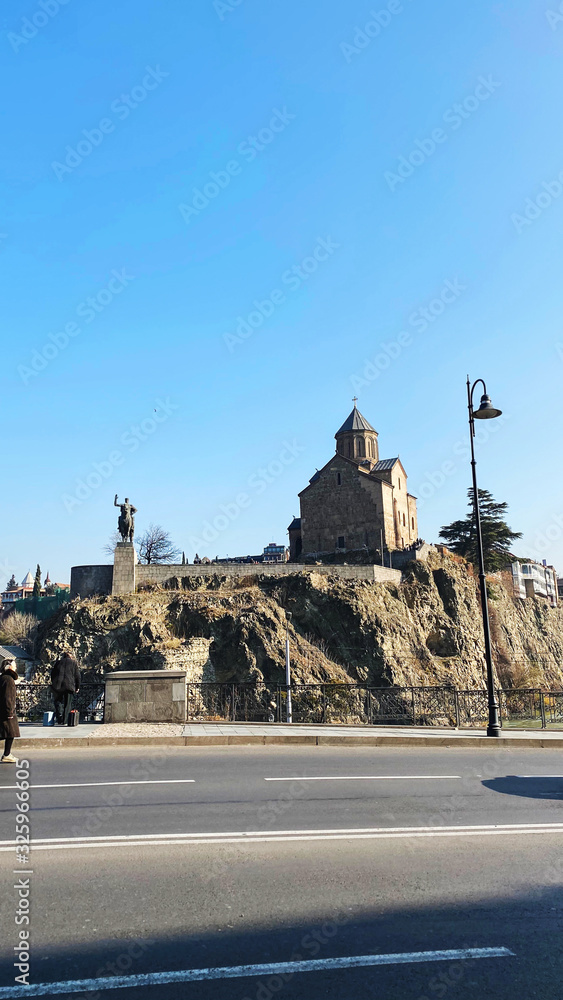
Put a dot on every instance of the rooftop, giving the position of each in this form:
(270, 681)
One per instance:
(384, 465)
(355, 422)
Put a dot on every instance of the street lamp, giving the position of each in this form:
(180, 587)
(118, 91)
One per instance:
(486, 411)
(289, 714)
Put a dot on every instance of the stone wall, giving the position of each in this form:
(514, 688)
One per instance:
(345, 502)
(145, 696)
(162, 574)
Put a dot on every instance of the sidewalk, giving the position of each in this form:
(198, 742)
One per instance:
(205, 734)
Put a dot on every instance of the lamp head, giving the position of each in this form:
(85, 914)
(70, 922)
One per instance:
(486, 409)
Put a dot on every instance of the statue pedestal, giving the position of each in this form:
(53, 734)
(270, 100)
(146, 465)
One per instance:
(124, 563)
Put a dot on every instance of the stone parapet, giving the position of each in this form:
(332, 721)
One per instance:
(162, 574)
(145, 696)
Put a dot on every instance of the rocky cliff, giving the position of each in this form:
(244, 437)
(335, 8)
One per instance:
(427, 630)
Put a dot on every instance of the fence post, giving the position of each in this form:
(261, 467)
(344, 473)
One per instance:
(188, 702)
(370, 719)
(324, 703)
(457, 711)
(542, 710)
(413, 708)
(233, 711)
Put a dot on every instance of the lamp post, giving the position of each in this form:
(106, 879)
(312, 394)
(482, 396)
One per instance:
(486, 411)
(289, 713)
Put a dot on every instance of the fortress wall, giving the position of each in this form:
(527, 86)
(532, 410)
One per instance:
(159, 574)
(85, 581)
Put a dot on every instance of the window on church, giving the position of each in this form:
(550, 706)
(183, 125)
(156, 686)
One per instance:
(399, 484)
(361, 448)
(338, 479)
(404, 521)
(341, 543)
(412, 523)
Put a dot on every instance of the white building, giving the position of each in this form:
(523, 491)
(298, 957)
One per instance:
(25, 589)
(533, 579)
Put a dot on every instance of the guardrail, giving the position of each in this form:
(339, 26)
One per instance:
(34, 699)
(328, 704)
(359, 704)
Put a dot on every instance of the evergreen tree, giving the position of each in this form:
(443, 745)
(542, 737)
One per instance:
(461, 537)
(12, 583)
(37, 582)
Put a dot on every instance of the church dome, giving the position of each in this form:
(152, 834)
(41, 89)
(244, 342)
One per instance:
(355, 422)
(357, 439)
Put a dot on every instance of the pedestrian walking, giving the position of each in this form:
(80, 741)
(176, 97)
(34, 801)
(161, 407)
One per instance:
(65, 683)
(9, 728)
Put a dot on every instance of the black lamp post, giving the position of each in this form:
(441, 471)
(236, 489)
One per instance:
(486, 411)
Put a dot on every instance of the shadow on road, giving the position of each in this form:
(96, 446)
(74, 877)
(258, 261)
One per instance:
(526, 924)
(528, 787)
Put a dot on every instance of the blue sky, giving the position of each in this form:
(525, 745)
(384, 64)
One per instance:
(180, 166)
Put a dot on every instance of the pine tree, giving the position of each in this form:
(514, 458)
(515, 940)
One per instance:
(37, 582)
(12, 583)
(461, 537)
(183, 558)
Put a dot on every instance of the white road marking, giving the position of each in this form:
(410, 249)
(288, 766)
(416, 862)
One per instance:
(282, 836)
(533, 775)
(103, 784)
(246, 971)
(370, 777)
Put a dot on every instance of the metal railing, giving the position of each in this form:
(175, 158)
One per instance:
(34, 699)
(349, 704)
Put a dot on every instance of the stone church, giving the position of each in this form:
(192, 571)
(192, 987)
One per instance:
(356, 502)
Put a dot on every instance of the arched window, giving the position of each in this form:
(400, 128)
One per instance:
(412, 523)
(404, 521)
(338, 479)
(361, 448)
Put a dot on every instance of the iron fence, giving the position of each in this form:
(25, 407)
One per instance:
(32, 700)
(349, 704)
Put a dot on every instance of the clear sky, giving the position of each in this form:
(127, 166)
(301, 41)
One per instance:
(221, 221)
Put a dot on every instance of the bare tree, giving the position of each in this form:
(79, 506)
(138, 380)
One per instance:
(19, 629)
(155, 546)
(109, 547)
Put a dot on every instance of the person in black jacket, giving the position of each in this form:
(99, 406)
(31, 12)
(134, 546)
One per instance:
(9, 728)
(65, 682)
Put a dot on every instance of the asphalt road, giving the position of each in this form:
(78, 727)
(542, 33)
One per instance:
(188, 859)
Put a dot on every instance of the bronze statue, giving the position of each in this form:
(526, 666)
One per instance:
(126, 520)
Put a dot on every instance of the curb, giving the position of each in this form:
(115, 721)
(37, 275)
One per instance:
(477, 742)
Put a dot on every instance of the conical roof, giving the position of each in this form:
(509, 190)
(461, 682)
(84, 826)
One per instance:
(28, 580)
(355, 422)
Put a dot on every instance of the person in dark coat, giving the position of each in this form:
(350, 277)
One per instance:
(9, 728)
(65, 682)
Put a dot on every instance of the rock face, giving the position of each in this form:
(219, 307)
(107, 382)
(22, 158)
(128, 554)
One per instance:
(424, 631)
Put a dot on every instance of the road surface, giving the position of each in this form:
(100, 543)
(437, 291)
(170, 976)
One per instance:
(334, 873)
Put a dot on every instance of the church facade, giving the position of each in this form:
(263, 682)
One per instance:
(356, 502)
